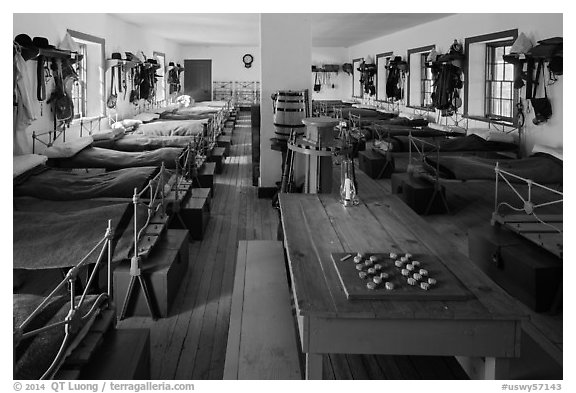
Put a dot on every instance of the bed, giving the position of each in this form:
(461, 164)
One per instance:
(138, 143)
(540, 168)
(97, 157)
(60, 185)
(172, 128)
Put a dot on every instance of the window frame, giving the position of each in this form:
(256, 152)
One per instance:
(425, 72)
(423, 49)
(102, 42)
(386, 56)
(504, 35)
(80, 99)
(355, 64)
(156, 54)
(490, 63)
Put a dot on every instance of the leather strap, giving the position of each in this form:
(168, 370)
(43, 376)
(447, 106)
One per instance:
(41, 88)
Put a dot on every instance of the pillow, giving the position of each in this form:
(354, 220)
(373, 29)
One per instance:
(108, 135)
(68, 149)
(118, 125)
(553, 151)
(439, 127)
(481, 132)
(26, 162)
(131, 123)
(144, 117)
(411, 116)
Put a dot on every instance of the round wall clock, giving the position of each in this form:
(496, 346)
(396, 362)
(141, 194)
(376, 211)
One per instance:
(248, 59)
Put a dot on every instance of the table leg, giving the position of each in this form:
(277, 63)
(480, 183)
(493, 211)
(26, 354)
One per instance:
(496, 368)
(313, 366)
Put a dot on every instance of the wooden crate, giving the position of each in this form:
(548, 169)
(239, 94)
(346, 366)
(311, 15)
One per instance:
(375, 165)
(163, 270)
(196, 213)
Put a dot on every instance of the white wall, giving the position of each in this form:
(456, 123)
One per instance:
(119, 35)
(442, 32)
(286, 55)
(342, 81)
(227, 62)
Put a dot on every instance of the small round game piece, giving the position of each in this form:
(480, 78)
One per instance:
(411, 281)
(373, 258)
(371, 271)
(389, 286)
(359, 266)
(409, 266)
(404, 259)
(393, 255)
(377, 267)
(425, 286)
(405, 272)
(368, 263)
(361, 255)
(415, 263)
(408, 255)
(423, 272)
(417, 276)
(384, 275)
(377, 280)
(357, 259)
(370, 285)
(399, 263)
(431, 281)
(363, 275)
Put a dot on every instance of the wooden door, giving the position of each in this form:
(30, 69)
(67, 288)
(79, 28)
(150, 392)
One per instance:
(198, 79)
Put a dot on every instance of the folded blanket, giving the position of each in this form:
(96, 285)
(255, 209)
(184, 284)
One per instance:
(172, 128)
(136, 143)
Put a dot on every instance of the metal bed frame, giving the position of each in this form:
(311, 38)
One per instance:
(544, 230)
(73, 322)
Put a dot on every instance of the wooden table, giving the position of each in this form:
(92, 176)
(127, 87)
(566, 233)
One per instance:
(486, 324)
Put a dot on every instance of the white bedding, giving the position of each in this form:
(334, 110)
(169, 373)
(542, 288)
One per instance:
(557, 152)
(26, 162)
(146, 116)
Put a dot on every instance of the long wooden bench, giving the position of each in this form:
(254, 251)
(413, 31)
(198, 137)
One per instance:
(262, 341)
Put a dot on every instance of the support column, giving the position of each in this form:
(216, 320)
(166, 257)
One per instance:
(286, 58)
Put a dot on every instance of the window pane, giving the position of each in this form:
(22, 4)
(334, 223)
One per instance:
(499, 52)
(507, 90)
(509, 72)
(496, 108)
(507, 108)
(499, 72)
(495, 92)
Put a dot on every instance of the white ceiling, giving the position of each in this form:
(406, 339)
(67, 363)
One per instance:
(242, 29)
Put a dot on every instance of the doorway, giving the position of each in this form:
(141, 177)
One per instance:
(198, 79)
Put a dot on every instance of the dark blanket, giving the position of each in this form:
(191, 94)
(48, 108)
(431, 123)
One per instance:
(421, 132)
(51, 234)
(366, 114)
(171, 128)
(469, 143)
(401, 121)
(34, 355)
(540, 168)
(134, 143)
(97, 157)
(63, 185)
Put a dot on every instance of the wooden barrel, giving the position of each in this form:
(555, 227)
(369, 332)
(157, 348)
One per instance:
(289, 110)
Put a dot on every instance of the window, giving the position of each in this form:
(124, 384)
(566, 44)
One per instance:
(489, 94)
(419, 78)
(88, 94)
(426, 81)
(79, 94)
(382, 61)
(499, 93)
(161, 81)
(357, 89)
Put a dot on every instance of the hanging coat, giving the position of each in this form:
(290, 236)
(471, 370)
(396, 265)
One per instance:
(25, 107)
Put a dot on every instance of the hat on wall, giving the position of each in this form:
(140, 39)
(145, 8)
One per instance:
(27, 48)
(116, 56)
(42, 43)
